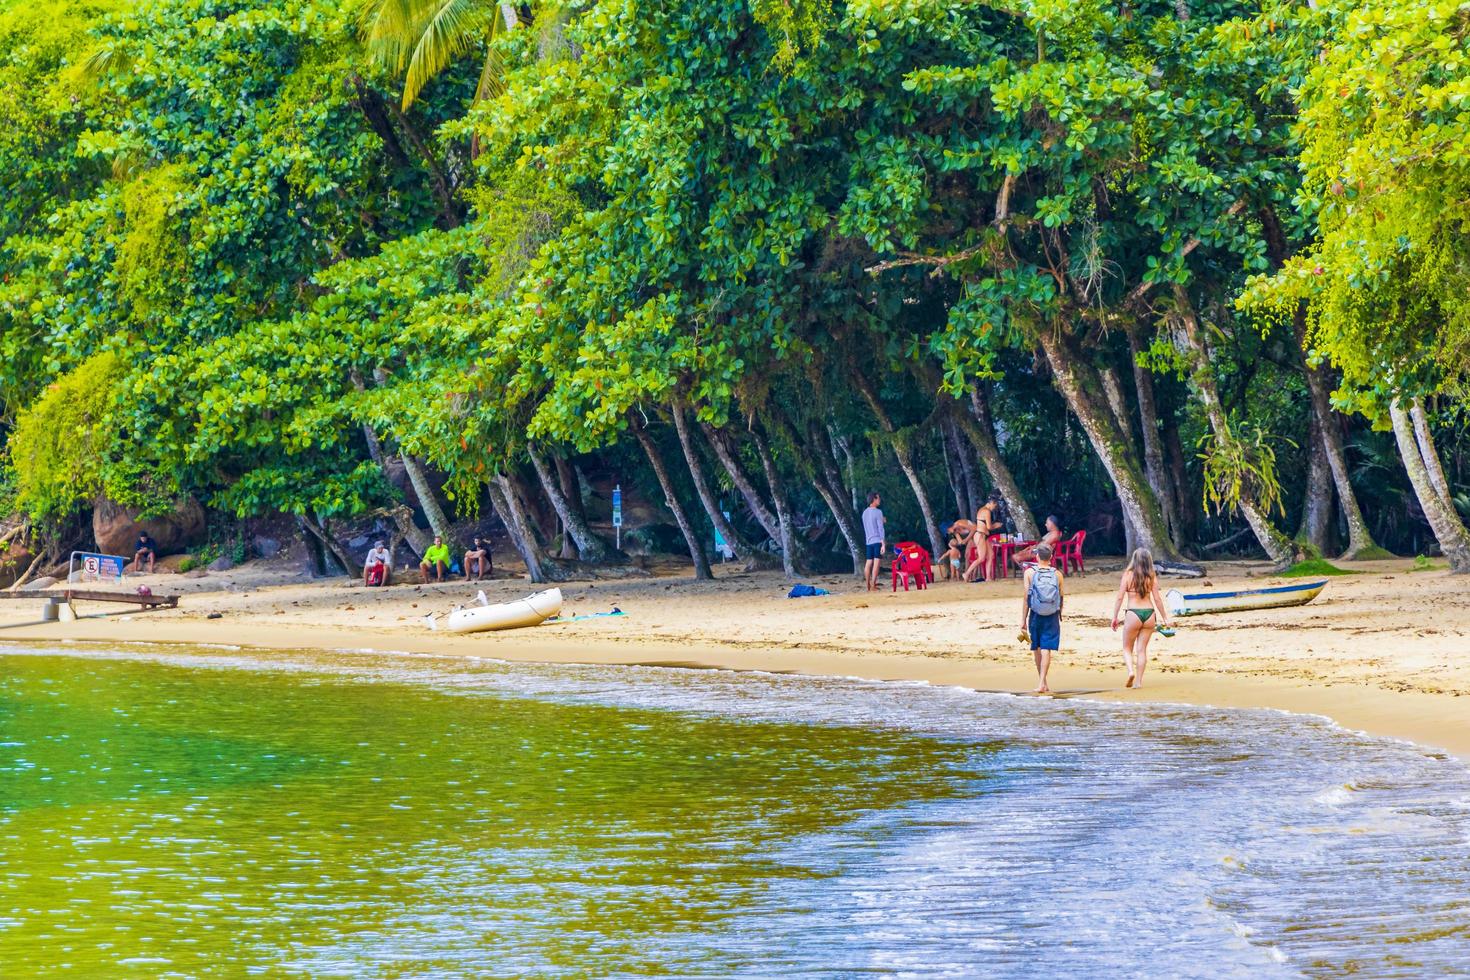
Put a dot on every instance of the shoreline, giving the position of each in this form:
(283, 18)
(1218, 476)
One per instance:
(1307, 660)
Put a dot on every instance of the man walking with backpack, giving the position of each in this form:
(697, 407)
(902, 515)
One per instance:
(1041, 612)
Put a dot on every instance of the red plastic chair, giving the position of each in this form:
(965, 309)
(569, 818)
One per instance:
(910, 562)
(1069, 552)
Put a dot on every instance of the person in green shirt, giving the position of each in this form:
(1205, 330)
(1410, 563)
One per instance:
(436, 558)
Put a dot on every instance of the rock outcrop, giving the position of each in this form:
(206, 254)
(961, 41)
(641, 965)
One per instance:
(116, 528)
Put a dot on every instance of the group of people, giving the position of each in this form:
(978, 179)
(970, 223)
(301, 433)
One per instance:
(377, 568)
(969, 553)
(1043, 592)
(1042, 596)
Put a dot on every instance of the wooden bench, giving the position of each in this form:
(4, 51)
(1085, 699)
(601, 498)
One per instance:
(68, 596)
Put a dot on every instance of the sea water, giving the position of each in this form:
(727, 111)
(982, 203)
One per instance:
(171, 812)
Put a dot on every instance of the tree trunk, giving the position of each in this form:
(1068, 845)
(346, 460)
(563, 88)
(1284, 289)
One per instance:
(1454, 541)
(828, 482)
(1360, 539)
(589, 545)
(696, 547)
(971, 481)
(322, 531)
(1277, 546)
(726, 456)
(841, 444)
(425, 492)
(1425, 439)
(1153, 448)
(1316, 526)
(904, 453)
(950, 447)
(1174, 454)
(979, 428)
(743, 549)
(313, 548)
(1113, 389)
(1079, 385)
(783, 505)
(539, 566)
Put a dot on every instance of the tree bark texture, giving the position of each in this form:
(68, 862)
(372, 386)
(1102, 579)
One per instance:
(590, 547)
(1113, 388)
(671, 500)
(1425, 439)
(904, 453)
(1277, 546)
(1079, 384)
(540, 567)
(736, 472)
(1154, 468)
(1449, 531)
(785, 519)
(744, 549)
(425, 492)
(828, 481)
(1360, 539)
(979, 427)
(1316, 526)
(949, 444)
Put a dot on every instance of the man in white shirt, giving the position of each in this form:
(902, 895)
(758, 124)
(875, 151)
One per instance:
(378, 567)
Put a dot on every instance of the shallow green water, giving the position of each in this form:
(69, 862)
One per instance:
(157, 820)
(170, 812)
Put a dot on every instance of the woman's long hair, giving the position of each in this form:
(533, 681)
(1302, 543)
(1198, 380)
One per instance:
(1141, 574)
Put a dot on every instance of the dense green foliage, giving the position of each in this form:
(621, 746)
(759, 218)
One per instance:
(922, 247)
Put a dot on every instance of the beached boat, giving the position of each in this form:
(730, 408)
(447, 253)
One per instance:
(530, 611)
(1201, 603)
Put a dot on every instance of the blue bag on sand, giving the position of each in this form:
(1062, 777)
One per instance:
(800, 591)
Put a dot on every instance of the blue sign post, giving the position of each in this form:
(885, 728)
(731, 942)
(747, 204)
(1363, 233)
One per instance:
(618, 514)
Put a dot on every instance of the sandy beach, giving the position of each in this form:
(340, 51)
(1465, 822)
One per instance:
(1381, 651)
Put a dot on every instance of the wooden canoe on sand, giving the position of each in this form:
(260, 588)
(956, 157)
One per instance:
(1201, 603)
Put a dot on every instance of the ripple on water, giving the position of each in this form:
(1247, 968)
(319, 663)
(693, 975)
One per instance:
(212, 812)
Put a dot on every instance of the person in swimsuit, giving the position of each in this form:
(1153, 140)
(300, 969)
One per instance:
(1139, 587)
(980, 548)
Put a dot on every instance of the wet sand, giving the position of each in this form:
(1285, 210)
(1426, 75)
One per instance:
(1383, 651)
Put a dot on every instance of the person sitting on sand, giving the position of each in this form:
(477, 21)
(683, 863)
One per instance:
(1041, 613)
(478, 558)
(1139, 587)
(148, 549)
(436, 558)
(980, 549)
(377, 568)
(952, 562)
(1053, 535)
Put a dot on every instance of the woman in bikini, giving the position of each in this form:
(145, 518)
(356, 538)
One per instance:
(980, 546)
(1140, 589)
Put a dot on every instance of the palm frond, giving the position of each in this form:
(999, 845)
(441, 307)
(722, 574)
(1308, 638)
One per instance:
(105, 62)
(453, 27)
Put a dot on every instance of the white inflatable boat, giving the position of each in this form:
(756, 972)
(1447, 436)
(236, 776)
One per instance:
(530, 611)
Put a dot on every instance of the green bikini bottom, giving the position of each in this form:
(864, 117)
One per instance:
(1144, 615)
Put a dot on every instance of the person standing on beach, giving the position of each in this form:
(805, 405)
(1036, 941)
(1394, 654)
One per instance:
(980, 547)
(873, 532)
(1041, 613)
(1139, 587)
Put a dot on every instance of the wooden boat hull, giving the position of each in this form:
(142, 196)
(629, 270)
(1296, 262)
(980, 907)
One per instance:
(530, 611)
(1203, 603)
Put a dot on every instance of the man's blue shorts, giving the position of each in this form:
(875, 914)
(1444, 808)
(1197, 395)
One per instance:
(875, 551)
(1046, 631)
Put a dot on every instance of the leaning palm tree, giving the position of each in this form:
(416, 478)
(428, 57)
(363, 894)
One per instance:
(420, 38)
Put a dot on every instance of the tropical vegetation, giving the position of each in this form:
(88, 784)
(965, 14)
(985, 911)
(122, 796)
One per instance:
(1190, 275)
